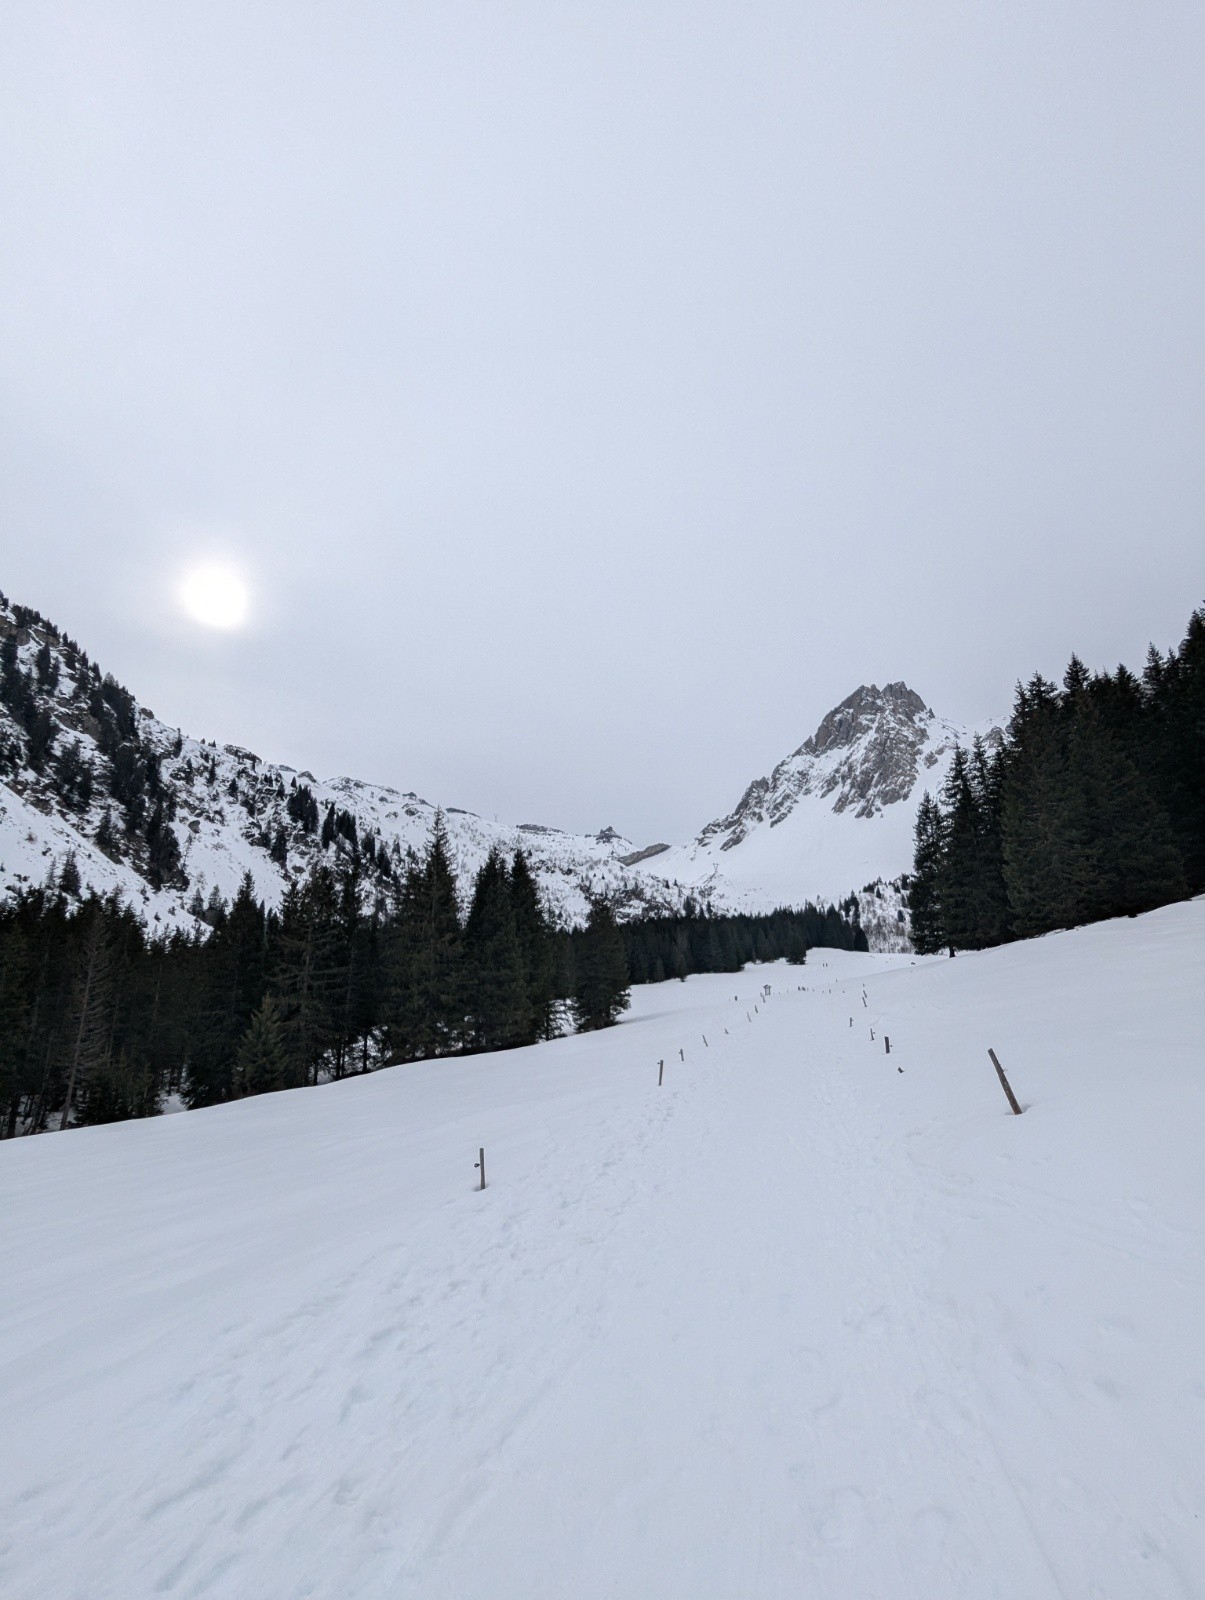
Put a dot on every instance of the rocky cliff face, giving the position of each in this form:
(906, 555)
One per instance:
(867, 754)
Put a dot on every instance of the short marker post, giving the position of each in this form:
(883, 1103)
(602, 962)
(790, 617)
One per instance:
(887, 1042)
(681, 1055)
(480, 1162)
(660, 1073)
(1004, 1083)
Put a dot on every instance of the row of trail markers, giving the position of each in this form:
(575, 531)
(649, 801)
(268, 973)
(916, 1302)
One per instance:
(479, 1164)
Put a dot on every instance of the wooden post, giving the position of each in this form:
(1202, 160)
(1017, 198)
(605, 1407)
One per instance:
(480, 1162)
(887, 1042)
(706, 1045)
(660, 1072)
(1004, 1083)
(681, 1055)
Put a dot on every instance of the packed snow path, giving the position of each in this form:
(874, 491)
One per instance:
(797, 1323)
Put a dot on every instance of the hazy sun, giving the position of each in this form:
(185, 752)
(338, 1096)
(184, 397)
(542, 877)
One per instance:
(215, 596)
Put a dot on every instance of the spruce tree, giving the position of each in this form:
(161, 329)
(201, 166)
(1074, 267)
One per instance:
(91, 1016)
(924, 899)
(959, 875)
(601, 990)
(499, 1009)
(426, 1003)
(538, 950)
(262, 1064)
(309, 974)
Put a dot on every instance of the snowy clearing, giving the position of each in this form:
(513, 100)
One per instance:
(795, 1324)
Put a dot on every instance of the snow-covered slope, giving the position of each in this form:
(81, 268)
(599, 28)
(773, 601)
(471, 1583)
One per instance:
(231, 813)
(797, 1323)
(835, 814)
(832, 817)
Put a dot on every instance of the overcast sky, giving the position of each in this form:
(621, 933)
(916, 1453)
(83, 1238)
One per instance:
(594, 394)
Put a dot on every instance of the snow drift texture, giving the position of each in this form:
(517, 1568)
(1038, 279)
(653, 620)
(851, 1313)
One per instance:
(796, 1323)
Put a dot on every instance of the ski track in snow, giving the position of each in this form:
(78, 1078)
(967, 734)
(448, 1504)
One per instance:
(797, 1323)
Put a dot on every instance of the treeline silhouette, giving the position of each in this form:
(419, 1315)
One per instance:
(100, 1021)
(673, 947)
(1092, 806)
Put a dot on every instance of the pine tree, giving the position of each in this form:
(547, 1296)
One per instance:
(499, 1008)
(231, 984)
(427, 993)
(959, 875)
(924, 899)
(1037, 823)
(986, 779)
(601, 990)
(262, 1064)
(91, 1007)
(309, 974)
(538, 951)
(69, 875)
(163, 850)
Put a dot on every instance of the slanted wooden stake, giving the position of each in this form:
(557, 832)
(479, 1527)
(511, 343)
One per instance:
(660, 1073)
(480, 1162)
(887, 1042)
(1004, 1083)
(681, 1055)
(705, 1042)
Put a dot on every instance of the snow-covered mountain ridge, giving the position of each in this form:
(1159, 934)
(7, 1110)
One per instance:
(839, 811)
(169, 821)
(867, 753)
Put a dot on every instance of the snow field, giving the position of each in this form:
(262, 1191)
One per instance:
(796, 1323)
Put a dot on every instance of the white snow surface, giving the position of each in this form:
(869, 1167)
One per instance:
(797, 1323)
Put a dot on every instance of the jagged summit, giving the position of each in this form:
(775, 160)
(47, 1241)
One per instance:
(866, 755)
(836, 814)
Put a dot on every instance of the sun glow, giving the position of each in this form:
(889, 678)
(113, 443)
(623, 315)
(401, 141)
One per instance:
(215, 596)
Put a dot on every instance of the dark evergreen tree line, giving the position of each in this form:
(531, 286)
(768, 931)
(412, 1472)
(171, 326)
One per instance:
(1093, 806)
(673, 947)
(98, 1022)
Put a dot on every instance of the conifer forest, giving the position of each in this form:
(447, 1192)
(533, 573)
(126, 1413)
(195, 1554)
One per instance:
(1091, 806)
(99, 1021)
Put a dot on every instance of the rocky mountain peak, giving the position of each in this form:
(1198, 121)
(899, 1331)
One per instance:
(846, 722)
(867, 753)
